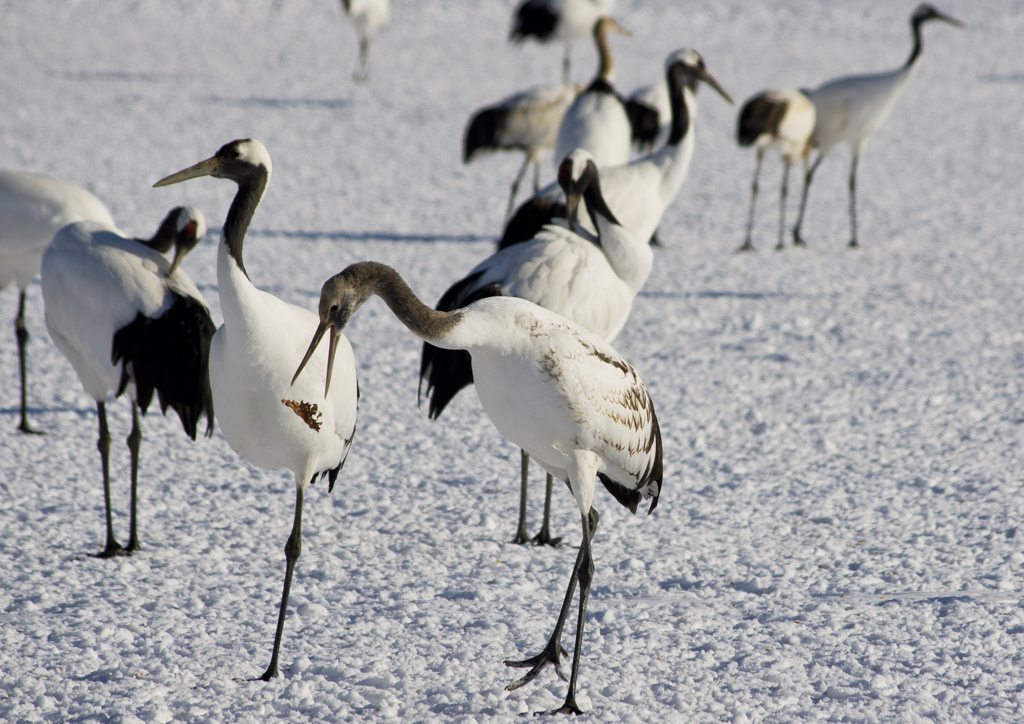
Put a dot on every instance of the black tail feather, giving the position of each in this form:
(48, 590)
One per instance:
(533, 19)
(644, 122)
(482, 133)
(447, 371)
(530, 218)
(171, 356)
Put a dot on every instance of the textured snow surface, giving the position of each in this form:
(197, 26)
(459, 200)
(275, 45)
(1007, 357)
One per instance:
(839, 532)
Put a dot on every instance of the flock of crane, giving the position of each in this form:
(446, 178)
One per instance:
(530, 325)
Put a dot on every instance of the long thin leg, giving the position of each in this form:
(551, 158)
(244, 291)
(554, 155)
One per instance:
(21, 333)
(364, 50)
(134, 442)
(544, 537)
(524, 466)
(782, 203)
(586, 575)
(515, 186)
(292, 550)
(565, 61)
(808, 177)
(553, 650)
(536, 176)
(853, 200)
(112, 548)
(747, 244)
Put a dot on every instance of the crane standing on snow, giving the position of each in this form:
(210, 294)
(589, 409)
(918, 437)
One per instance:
(851, 108)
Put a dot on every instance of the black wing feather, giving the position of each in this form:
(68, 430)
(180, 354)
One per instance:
(533, 19)
(447, 371)
(171, 356)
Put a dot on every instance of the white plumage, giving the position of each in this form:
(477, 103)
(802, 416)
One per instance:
(129, 320)
(639, 192)
(780, 120)
(369, 18)
(597, 119)
(32, 208)
(526, 121)
(589, 279)
(565, 20)
(560, 392)
(253, 354)
(852, 108)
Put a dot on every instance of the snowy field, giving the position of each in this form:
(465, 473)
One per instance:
(839, 535)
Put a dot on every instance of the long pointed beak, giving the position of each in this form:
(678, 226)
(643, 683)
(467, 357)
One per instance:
(619, 29)
(317, 336)
(332, 345)
(203, 168)
(572, 205)
(710, 80)
(949, 19)
(179, 254)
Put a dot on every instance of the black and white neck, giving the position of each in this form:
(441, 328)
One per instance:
(247, 163)
(922, 14)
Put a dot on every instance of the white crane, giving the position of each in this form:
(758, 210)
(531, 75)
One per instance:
(852, 108)
(270, 423)
(32, 208)
(639, 192)
(782, 120)
(130, 321)
(565, 20)
(553, 388)
(591, 280)
(369, 17)
(597, 119)
(526, 121)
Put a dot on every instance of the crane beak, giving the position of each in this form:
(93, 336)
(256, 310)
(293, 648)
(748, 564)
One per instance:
(318, 335)
(572, 206)
(703, 75)
(179, 254)
(949, 19)
(619, 29)
(203, 168)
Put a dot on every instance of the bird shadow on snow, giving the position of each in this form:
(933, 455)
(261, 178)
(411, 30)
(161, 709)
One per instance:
(325, 104)
(120, 75)
(372, 236)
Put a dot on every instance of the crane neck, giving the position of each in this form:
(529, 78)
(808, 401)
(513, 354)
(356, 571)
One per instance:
(606, 68)
(678, 81)
(915, 52)
(596, 206)
(163, 240)
(250, 192)
(426, 323)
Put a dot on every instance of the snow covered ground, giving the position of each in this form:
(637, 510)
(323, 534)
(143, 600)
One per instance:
(839, 535)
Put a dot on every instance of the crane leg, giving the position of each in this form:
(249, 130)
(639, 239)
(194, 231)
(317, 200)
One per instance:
(544, 537)
(360, 75)
(782, 203)
(553, 650)
(853, 201)
(134, 442)
(565, 62)
(292, 551)
(747, 245)
(808, 177)
(21, 334)
(536, 176)
(524, 465)
(586, 576)
(515, 187)
(112, 548)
